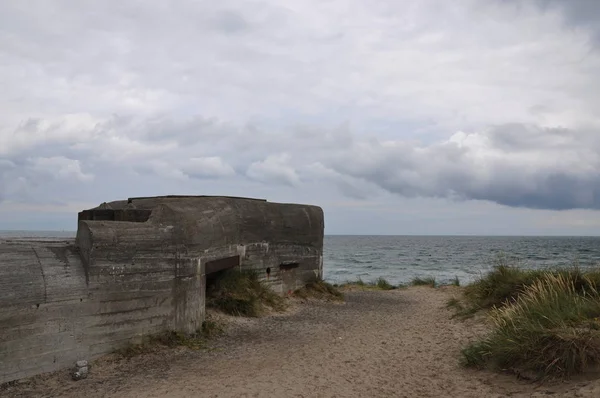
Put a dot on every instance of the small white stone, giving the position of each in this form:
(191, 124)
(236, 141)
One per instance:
(80, 374)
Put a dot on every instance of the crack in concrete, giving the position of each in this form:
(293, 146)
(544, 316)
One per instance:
(43, 275)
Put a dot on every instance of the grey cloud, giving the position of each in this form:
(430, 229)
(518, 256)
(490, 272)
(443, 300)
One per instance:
(59, 167)
(520, 137)
(5, 166)
(513, 165)
(275, 169)
(355, 188)
(230, 21)
(208, 167)
(576, 13)
(58, 174)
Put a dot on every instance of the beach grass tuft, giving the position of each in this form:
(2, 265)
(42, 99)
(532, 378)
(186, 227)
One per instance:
(454, 303)
(358, 282)
(321, 290)
(543, 321)
(243, 293)
(506, 282)
(172, 339)
(383, 284)
(461, 311)
(426, 281)
(380, 284)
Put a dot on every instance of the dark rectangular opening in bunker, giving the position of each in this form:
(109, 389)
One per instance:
(221, 264)
(286, 265)
(131, 215)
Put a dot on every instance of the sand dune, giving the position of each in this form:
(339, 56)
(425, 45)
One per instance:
(399, 343)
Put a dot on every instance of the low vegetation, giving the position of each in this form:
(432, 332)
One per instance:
(242, 293)
(383, 284)
(321, 290)
(454, 303)
(357, 282)
(461, 310)
(172, 339)
(379, 284)
(426, 281)
(505, 283)
(545, 322)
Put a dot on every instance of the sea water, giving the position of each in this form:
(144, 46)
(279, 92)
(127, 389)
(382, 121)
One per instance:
(399, 259)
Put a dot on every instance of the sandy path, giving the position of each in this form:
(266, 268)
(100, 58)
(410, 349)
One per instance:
(378, 344)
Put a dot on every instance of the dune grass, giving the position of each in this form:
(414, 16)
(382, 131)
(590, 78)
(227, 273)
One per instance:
(506, 282)
(426, 281)
(379, 284)
(503, 283)
(383, 284)
(321, 290)
(358, 282)
(543, 321)
(454, 303)
(172, 339)
(243, 293)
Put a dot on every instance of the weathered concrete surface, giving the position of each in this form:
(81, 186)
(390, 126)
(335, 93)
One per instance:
(138, 267)
(263, 234)
(43, 297)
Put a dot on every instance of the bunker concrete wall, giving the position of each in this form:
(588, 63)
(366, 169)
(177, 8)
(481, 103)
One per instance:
(51, 317)
(120, 280)
(265, 235)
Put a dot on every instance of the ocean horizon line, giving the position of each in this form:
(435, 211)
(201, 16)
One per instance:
(66, 231)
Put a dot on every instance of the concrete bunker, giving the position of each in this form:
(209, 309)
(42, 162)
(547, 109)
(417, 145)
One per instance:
(139, 266)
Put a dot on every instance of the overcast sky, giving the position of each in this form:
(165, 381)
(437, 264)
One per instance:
(395, 116)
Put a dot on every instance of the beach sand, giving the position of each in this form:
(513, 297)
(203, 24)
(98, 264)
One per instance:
(399, 343)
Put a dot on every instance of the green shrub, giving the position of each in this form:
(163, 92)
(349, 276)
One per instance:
(551, 327)
(243, 293)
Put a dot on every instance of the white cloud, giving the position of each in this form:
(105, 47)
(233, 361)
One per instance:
(274, 169)
(208, 167)
(60, 167)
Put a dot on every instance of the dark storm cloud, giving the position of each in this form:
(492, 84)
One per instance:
(513, 165)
